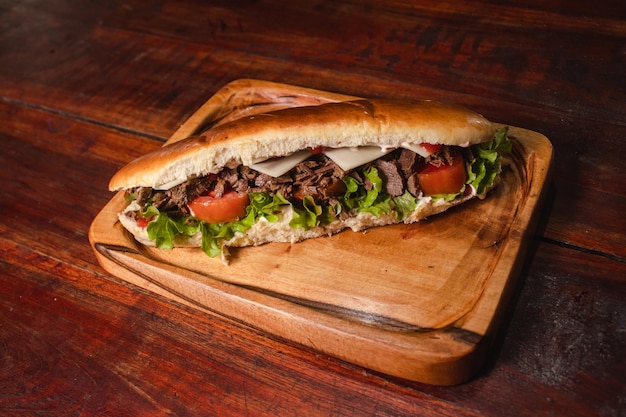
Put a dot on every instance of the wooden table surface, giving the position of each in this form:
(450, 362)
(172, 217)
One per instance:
(86, 86)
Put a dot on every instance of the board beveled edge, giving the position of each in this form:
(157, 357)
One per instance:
(444, 356)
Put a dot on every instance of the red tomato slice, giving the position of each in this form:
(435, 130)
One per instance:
(443, 179)
(431, 148)
(229, 207)
(142, 222)
(317, 150)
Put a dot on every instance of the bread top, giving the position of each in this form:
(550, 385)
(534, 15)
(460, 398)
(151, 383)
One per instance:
(385, 122)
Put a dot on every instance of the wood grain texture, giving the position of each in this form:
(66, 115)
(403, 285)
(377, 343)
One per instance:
(87, 86)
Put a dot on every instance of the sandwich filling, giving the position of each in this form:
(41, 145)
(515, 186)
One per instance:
(316, 191)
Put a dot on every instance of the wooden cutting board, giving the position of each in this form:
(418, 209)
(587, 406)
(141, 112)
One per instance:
(421, 301)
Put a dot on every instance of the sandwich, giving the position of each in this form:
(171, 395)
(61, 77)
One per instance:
(306, 172)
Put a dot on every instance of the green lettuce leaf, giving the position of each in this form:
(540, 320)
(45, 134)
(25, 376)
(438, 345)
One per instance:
(350, 198)
(375, 201)
(371, 196)
(487, 158)
(306, 217)
(404, 204)
(164, 229)
(210, 243)
(372, 201)
(447, 197)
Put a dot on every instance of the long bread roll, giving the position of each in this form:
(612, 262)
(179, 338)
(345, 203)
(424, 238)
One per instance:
(393, 151)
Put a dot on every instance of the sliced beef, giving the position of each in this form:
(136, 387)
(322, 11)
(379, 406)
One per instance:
(142, 194)
(269, 183)
(441, 157)
(242, 186)
(229, 176)
(412, 185)
(219, 188)
(174, 201)
(407, 160)
(247, 173)
(183, 193)
(318, 177)
(245, 179)
(334, 189)
(273, 185)
(356, 175)
(393, 182)
(160, 200)
(368, 184)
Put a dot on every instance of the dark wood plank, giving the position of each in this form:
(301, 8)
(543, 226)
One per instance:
(508, 67)
(423, 44)
(87, 86)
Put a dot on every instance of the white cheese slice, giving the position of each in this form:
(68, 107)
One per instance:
(418, 149)
(276, 167)
(169, 185)
(349, 158)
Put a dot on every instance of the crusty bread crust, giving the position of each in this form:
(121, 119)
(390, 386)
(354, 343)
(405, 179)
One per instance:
(346, 124)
